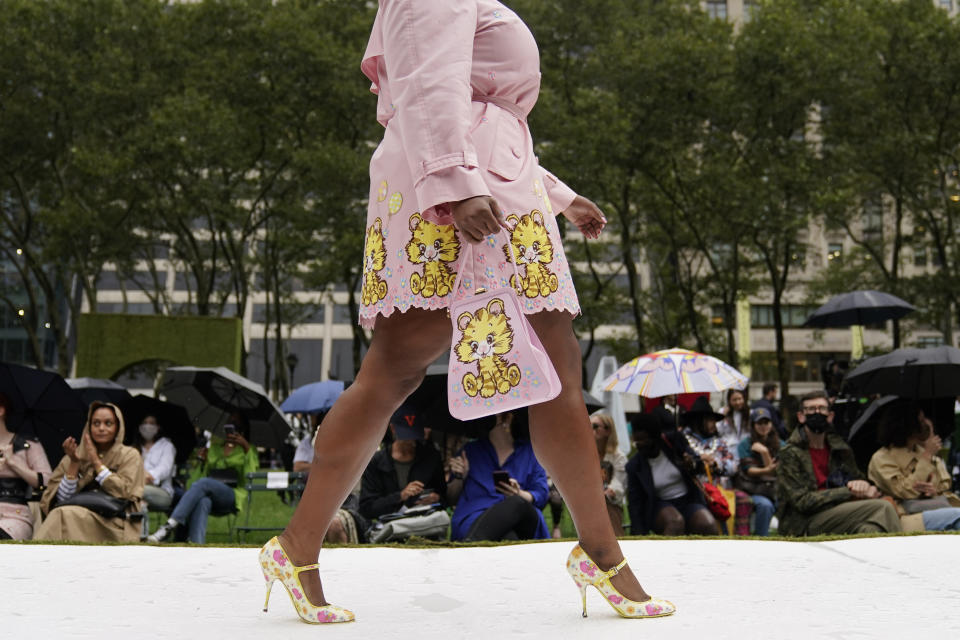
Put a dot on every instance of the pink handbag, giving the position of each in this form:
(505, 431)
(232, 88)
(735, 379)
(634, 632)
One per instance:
(497, 362)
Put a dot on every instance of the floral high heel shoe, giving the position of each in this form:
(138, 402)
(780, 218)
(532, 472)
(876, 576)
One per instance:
(586, 573)
(276, 565)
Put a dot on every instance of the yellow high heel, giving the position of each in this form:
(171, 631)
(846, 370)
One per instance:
(276, 565)
(586, 573)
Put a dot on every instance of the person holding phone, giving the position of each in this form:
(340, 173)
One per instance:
(225, 463)
(406, 473)
(499, 486)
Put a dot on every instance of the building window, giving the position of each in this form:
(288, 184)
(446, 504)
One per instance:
(925, 342)
(717, 9)
(919, 255)
(834, 252)
(792, 315)
(873, 219)
(750, 10)
(946, 4)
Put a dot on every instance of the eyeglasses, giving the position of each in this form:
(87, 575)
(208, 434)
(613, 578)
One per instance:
(809, 411)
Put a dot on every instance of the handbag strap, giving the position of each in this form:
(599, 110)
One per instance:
(469, 258)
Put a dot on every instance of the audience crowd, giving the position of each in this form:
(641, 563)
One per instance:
(690, 472)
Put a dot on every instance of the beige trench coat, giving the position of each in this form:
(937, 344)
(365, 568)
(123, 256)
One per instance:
(126, 481)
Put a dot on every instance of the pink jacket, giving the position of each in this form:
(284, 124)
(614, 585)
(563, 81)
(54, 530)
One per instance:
(435, 66)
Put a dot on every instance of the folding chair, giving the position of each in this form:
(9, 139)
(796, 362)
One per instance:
(293, 482)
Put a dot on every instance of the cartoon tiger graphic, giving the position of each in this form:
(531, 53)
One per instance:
(433, 246)
(533, 248)
(374, 259)
(486, 337)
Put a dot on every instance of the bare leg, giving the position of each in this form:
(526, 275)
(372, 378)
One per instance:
(702, 523)
(563, 442)
(403, 346)
(669, 522)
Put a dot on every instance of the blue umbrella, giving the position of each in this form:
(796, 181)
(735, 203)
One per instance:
(313, 397)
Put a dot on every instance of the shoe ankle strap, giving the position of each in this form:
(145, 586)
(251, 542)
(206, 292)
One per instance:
(305, 567)
(613, 570)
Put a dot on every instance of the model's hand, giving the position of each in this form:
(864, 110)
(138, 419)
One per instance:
(478, 217)
(586, 216)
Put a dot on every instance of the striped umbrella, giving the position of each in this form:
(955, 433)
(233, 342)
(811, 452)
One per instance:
(670, 371)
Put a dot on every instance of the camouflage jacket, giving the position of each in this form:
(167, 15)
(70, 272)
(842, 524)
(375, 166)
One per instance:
(797, 495)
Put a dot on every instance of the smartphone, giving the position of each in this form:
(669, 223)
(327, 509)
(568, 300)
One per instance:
(501, 476)
(229, 429)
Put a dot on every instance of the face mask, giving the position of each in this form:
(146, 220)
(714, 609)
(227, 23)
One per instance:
(149, 431)
(817, 423)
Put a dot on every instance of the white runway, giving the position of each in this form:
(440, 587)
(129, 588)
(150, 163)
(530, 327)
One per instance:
(902, 587)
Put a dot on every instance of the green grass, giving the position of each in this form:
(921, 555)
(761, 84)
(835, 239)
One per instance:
(269, 511)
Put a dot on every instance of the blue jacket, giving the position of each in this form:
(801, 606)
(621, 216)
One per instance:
(479, 493)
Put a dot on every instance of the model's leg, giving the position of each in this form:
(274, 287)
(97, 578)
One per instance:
(563, 441)
(403, 346)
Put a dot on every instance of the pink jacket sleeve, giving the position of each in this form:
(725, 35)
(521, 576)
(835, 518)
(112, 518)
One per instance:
(561, 196)
(428, 52)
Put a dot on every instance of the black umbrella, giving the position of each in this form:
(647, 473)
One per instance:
(171, 417)
(859, 308)
(44, 407)
(211, 395)
(430, 401)
(99, 390)
(909, 373)
(864, 433)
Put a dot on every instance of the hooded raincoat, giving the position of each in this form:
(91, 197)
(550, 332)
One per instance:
(125, 481)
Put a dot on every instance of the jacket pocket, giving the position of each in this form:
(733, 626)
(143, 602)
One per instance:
(508, 145)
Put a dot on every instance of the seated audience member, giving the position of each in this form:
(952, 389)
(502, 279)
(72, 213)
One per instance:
(735, 425)
(908, 468)
(819, 487)
(500, 487)
(766, 401)
(220, 490)
(101, 462)
(759, 457)
(662, 494)
(347, 526)
(614, 489)
(23, 469)
(405, 473)
(159, 464)
(700, 429)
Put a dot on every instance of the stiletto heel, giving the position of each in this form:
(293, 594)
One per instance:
(266, 600)
(586, 573)
(276, 565)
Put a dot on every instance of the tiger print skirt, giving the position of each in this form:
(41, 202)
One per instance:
(412, 262)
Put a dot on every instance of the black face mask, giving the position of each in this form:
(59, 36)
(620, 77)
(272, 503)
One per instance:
(817, 423)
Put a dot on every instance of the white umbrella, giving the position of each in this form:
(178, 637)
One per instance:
(674, 371)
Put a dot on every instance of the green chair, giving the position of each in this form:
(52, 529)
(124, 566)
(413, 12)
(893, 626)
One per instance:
(292, 482)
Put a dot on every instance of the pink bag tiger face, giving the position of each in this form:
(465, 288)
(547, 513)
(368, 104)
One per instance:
(497, 362)
(486, 338)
